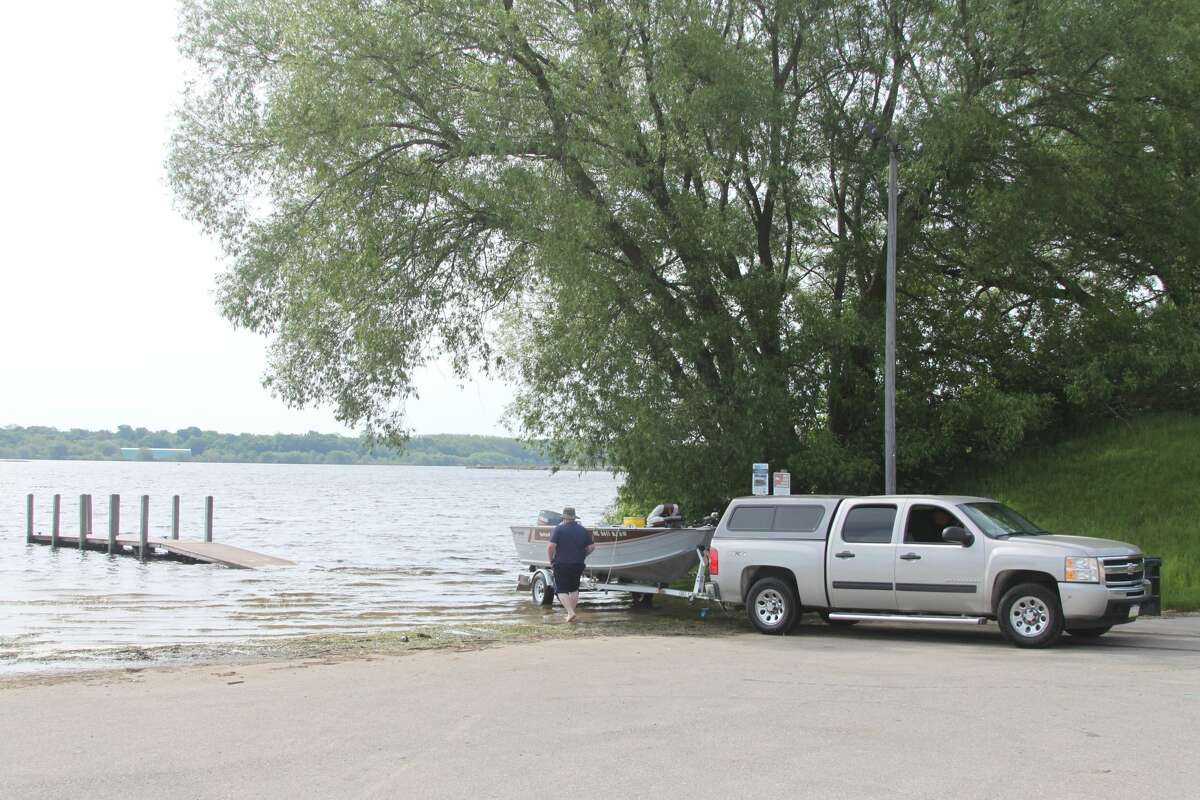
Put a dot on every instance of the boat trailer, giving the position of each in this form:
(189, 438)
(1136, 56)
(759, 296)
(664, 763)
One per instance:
(539, 582)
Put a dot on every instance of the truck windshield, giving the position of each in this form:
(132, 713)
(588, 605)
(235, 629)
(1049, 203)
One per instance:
(997, 519)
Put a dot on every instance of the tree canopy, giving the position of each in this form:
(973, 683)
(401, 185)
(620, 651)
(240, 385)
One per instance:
(665, 218)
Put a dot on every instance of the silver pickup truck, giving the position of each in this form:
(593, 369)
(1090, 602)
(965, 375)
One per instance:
(929, 558)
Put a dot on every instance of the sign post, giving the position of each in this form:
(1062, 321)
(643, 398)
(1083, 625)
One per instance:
(760, 479)
(783, 483)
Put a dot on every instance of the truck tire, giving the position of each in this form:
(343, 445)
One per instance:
(1031, 616)
(540, 590)
(772, 606)
(1089, 633)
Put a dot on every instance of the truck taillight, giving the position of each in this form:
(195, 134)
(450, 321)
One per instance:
(713, 561)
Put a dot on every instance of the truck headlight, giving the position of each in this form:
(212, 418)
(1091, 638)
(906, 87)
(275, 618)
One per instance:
(1082, 570)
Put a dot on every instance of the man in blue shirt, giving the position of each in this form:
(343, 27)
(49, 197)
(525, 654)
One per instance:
(570, 544)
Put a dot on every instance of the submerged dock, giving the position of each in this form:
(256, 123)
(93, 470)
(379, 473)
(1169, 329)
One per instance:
(142, 545)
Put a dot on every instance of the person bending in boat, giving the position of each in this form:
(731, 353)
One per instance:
(570, 544)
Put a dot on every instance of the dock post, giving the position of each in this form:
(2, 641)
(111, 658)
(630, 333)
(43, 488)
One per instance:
(145, 531)
(54, 520)
(83, 522)
(28, 519)
(208, 518)
(114, 522)
(175, 517)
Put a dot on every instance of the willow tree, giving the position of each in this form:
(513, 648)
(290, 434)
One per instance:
(663, 217)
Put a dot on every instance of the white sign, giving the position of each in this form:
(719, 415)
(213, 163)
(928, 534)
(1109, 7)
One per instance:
(760, 479)
(783, 483)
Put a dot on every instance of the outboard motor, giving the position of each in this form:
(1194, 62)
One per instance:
(549, 518)
(666, 515)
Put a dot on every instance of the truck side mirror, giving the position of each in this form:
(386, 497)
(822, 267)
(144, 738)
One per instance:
(958, 535)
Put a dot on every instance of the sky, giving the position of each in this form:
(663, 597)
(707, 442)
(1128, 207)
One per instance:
(107, 312)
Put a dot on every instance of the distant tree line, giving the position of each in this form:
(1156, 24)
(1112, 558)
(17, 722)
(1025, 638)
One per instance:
(37, 442)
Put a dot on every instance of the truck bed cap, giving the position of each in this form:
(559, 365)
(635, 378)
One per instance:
(941, 498)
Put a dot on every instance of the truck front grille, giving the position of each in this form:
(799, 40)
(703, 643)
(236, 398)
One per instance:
(1123, 572)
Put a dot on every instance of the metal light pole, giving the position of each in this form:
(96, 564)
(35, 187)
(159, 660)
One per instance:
(889, 367)
(889, 374)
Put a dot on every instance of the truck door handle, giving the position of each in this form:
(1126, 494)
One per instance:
(910, 557)
(844, 554)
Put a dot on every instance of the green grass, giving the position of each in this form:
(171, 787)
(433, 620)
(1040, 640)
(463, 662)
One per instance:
(1136, 481)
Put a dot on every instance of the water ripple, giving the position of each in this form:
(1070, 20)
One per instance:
(376, 548)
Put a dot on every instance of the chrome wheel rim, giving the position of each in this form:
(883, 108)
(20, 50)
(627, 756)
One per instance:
(769, 607)
(1029, 616)
(539, 589)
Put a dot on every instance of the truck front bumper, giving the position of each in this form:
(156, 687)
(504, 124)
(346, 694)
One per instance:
(1093, 605)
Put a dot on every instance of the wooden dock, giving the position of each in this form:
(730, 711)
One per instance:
(204, 552)
(144, 546)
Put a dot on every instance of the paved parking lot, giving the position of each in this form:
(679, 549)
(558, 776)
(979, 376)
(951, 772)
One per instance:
(871, 712)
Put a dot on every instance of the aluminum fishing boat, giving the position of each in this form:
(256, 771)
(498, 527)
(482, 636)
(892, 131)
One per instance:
(638, 555)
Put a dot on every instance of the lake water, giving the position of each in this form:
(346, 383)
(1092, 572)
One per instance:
(375, 547)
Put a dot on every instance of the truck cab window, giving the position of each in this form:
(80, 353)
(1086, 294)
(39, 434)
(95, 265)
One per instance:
(926, 523)
(869, 524)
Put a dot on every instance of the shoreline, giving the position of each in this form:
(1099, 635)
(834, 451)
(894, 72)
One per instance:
(340, 647)
(667, 620)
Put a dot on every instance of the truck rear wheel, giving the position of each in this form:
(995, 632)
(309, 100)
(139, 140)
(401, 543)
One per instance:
(772, 606)
(540, 589)
(1031, 616)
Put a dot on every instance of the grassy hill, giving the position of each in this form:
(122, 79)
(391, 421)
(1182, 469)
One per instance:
(1138, 482)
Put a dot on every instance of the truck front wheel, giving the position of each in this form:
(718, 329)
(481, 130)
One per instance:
(772, 606)
(1031, 616)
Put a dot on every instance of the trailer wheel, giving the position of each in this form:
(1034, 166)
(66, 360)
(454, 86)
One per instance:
(1031, 616)
(772, 606)
(541, 590)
